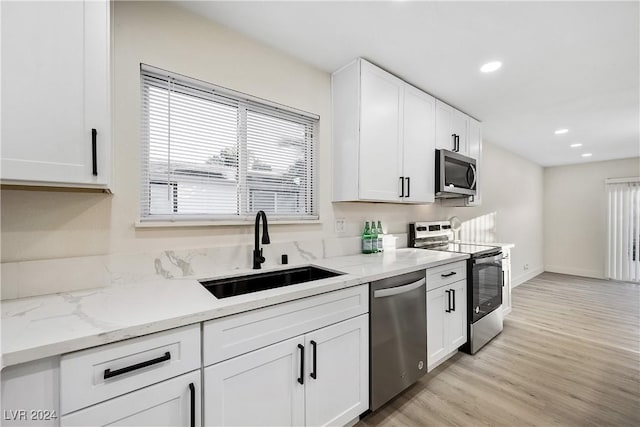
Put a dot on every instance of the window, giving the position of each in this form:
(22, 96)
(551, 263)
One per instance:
(623, 257)
(210, 153)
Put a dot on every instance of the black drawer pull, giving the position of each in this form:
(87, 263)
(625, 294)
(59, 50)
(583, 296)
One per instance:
(192, 405)
(301, 377)
(314, 372)
(448, 310)
(94, 151)
(453, 291)
(448, 274)
(109, 374)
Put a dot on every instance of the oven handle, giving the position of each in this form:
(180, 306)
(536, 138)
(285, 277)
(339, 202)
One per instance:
(489, 259)
(381, 293)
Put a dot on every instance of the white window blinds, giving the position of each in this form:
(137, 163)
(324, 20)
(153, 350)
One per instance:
(209, 153)
(623, 254)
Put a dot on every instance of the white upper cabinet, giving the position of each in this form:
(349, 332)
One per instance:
(380, 127)
(419, 145)
(452, 129)
(383, 137)
(55, 93)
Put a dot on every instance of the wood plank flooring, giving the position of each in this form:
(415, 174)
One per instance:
(569, 355)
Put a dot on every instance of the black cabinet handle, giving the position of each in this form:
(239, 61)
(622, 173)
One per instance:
(503, 278)
(94, 151)
(402, 186)
(408, 186)
(314, 367)
(453, 136)
(448, 274)
(109, 374)
(457, 143)
(301, 377)
(453, 291)
(192, 405)
(448, 310)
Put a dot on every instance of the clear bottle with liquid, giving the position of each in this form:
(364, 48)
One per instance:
(374, 238)
(367, 246)
(380, 237)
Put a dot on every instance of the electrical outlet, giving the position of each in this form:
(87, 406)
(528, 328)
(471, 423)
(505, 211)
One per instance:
(340, 225)
(526, 267)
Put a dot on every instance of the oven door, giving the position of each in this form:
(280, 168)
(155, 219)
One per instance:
(486, 285)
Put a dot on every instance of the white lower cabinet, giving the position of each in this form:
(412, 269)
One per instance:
(175, 402)
(320, 378)
(446, 321)
(337, 384)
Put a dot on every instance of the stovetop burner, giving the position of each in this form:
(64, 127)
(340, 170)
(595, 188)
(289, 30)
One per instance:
(437, 236)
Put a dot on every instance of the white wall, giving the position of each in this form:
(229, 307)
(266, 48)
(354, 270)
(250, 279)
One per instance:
(42, 225)
(575, 212)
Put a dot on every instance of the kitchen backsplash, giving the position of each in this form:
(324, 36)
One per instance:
(31, 278)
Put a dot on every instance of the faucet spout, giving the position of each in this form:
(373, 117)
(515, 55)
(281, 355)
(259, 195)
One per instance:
(258, 259)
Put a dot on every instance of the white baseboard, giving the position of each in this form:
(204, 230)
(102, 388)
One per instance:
(520, 279)
(596, 274)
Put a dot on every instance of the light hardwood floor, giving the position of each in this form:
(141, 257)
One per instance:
(569, 355)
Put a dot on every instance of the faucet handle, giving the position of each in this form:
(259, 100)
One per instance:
(261, 258)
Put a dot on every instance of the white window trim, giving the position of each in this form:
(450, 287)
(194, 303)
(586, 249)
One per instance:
(171, 221)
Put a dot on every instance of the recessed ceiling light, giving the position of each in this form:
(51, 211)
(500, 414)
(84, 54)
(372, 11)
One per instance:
(490, 67)
(561, 131)
(575, 145)
(587, 155)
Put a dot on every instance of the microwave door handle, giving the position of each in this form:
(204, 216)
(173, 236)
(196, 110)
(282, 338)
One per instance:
(473, 169)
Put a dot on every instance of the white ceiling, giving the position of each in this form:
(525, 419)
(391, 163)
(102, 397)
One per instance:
(568, 65)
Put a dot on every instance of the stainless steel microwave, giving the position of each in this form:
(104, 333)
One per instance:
(455, 175)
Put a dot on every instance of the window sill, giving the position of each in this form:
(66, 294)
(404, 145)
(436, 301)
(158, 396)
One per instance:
(231, 223)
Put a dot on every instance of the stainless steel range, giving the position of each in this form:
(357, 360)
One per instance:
(484, 279)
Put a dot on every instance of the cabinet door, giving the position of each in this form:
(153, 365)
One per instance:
(418, 145)
(461, 129)
(337, 374)
(380, 145)
(456, 319)
(437, 303)
(55, 91)
(444, 126)
(257, 388)
(174, 402)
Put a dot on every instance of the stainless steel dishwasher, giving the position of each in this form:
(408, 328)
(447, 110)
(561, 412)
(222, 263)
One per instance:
(398, 328)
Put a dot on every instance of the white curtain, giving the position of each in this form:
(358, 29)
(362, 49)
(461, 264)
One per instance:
(623, 255)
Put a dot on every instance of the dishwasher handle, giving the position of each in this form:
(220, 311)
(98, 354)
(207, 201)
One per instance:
(387, 292)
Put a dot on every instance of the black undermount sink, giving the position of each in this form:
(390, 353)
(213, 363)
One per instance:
(232, 286)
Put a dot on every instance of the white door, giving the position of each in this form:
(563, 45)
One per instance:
(337, 373)
(437, 303)
(456, 319)
(174, 402)
(418, 145)
(55, 91)
(380, 145)
(260, 388)
(460, 127)
(444, 126)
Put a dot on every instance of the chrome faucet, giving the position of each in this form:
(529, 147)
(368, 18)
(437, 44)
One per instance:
(257, 251)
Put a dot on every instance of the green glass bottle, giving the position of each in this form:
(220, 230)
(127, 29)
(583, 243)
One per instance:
(366, 239)
(380, 236)
(374, 238)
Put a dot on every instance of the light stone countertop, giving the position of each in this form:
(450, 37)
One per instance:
(43, 326)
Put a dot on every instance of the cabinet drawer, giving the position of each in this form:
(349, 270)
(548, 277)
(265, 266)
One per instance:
(446, 274)
(168, 403)
(127, 366)
(230, 336)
